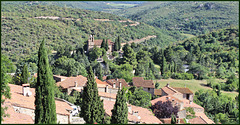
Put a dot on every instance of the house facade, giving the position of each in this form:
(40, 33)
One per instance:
(147, 85)
(92, 42)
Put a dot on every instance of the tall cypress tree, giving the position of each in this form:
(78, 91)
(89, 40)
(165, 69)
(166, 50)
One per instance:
(103, 43)
(45, 110)
(119, 43)
(25, 75)
(120, 110)
(106, 45)
(173, 119)
(116, 45)
(92, 107)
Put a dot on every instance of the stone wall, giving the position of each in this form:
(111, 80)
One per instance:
(182, 114)
(150, 90)
(62, 119)
(110, 90)
(107, 98)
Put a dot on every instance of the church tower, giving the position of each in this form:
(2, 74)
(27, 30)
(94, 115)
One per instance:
(90, 42)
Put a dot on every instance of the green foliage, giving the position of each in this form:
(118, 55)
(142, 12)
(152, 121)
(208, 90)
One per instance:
(120, 109)
(187, 17)
(232, 83)
(129, 56)
(156, 85)
(95, 53)
(190, 113)
(45, 111)
(183, 76)
(6, 66)
(173, 119)
(140, 97)
(92, 109)
(25, 75)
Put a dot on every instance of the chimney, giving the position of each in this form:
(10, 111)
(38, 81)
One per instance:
(129, 109)
(178, 121)
(167, 85)
(75, 83)
(120, 85)
(26, 90)
(116, 79)
(135, 113)
(190, 102)
(114, 85)
(106, 89)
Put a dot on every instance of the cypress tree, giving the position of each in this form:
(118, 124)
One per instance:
(103, 44)
(119, 43)
(92, 109)
(106, 45)
(120, 110)
(45, 110)
(116, 45)
(163, 63)
(25, 75)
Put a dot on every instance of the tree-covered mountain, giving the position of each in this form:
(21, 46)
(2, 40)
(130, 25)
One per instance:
(195, 17)
(24, 26)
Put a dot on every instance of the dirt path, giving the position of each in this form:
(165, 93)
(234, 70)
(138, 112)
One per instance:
(139, 40)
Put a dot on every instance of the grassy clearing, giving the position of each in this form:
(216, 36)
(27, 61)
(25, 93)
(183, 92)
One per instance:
(188, 35)
(193, 85)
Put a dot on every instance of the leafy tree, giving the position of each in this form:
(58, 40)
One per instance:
(129, 56)
(6, 65)
(45, 110)
(94, 53)
(25, 74)
(157, 85)
(164, 109)
(140, 97)
(92, 109)
(120, 109)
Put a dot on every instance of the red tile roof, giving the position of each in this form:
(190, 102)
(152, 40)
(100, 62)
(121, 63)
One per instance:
(169, 90)
(183, 90)
(168, 120)
(17, 99)
(107, 95)
(101, 83)
(204, 117)
(157, 92)
(146, 116)
(70, 82)
(171, 98)
(140, 82)
(15, 117)
(117, 82)
(197, 120)
(99, 42)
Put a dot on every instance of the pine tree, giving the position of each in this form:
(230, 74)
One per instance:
(92, 109)
(45, 111)
(103, 44)
(120, 110)
(163, 63)
(25, 75)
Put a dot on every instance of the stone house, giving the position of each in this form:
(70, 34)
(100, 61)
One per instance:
(92, 42)
(22, 105)
(182, 98)
(136, 115)
(117, 83)
(147, 85)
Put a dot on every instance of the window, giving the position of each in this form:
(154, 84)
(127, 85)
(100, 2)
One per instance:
(148, 89)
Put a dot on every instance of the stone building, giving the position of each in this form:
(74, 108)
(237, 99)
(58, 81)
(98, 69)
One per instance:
(147, 85)
(92, 42)
(21, 107)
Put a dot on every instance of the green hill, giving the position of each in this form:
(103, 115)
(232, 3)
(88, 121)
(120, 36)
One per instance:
(193, 17)
(23, 26)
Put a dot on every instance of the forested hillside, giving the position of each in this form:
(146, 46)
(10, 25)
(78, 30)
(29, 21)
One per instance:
(23, 26)
(188, 17)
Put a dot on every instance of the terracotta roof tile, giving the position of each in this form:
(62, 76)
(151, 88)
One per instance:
(204, 117)
(197, 120)
(168, 90)
(15, 117)
(157, 92)
(146, 116)
(171, 98)
(18, 99)
(183, 90)
(168, 120)
(70, 82)
(101, 83)
(117, 81)
(108, 95)
(99, 42)
(140, 82)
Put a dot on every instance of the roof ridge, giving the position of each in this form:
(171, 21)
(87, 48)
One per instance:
(172, 89)
(203, 119)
